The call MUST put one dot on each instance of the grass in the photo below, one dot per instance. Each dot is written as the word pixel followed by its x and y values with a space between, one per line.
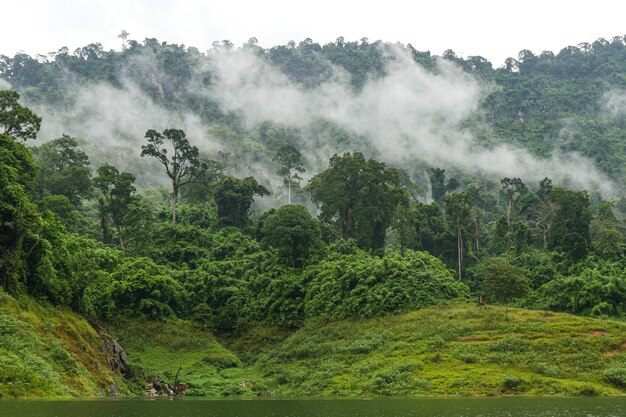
pixel 51 352
pixel 457 349
pixel 209 368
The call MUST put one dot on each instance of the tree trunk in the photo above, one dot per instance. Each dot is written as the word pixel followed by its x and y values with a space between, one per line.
pixel 103 224
pixel 508 213
pixel 348 231
pixel 119 233
pixel 289 192
pixel 174 201
pixel 476 243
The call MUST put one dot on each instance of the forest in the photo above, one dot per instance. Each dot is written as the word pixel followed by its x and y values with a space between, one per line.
pixel 217 212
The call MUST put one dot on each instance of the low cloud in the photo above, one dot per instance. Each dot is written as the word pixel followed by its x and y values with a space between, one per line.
pixel 408 114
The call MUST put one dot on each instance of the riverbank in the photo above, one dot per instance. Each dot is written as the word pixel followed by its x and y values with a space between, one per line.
pixel 452 350
pixel 457 349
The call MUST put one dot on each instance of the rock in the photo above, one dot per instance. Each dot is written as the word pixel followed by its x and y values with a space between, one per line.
pixel 160 387
pixel 118 360
pixel 113 390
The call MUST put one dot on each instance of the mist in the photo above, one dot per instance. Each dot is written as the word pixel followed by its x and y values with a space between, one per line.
pixel 614 102
pixel 408 114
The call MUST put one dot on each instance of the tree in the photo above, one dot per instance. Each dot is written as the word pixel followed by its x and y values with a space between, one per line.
pixel 234 197
pixel 359 195
pixel 64 169
pixel 513 189
pixel 430 228
pixel 458 210
pixel 123 36
pixel 15 120
pixel 184 166
pixel 404 225
pixel 292 231
pixel 501 280
pixel 438 184
pixel 290 161
pixel 606 232
pixel 116 196
pixel 202 191
pixel 569 231
pixel 18 216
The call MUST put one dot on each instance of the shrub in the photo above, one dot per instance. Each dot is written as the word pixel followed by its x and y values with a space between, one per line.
pixel 596 290
pixel 501 281
pixel 360 285
pixel 512 382
pixel 616 376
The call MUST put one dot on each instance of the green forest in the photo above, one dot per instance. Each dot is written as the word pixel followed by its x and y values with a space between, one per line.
pixel 285 250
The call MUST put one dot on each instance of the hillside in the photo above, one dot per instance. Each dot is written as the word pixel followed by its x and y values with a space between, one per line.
pixel 458 349
pixel 245 101
pixel 51 352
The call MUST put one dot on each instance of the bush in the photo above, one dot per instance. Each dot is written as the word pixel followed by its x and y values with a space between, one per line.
pixel 512 382
pixel 293 232
pixel 360 285
pixel 501 281
pixel 616 376
pixel 140 287
pixel 596 290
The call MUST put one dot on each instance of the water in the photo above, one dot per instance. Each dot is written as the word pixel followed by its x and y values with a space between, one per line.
pixel 463 407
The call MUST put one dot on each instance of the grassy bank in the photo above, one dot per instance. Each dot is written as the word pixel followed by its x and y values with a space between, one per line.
pixel 51 352
pixel 458 349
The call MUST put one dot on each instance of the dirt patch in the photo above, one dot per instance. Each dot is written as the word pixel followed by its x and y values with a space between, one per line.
pixel 472 339
pixel 622 346
pixel 609 354
pixel 597 332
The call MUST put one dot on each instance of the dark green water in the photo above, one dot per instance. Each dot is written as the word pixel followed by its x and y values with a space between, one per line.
pixel 472 407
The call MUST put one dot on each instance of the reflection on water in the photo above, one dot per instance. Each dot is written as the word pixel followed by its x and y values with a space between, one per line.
pixel 466 407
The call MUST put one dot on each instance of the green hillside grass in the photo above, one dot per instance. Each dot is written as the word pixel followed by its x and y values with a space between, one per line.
pixel 51 352
pixel 458 349
pixel 160 348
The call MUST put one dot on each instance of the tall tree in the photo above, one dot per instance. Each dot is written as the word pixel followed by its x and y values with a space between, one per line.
pixel 458 209
pixel 123 36
pixel 234 197
pixel 292 231
pixel 359 195
pixel 116 195
pixel 64 169
pixel 183 167
pixel 15 120
pixel 437 184
pixel 513 188
pixel 290 164
pixel 569 231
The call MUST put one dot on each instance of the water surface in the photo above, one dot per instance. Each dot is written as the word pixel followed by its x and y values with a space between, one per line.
pixel 427 407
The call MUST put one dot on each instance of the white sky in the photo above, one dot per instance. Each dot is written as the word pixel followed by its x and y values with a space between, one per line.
pixel 493 29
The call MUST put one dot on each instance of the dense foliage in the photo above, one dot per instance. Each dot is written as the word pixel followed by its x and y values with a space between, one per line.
pixel 90 238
